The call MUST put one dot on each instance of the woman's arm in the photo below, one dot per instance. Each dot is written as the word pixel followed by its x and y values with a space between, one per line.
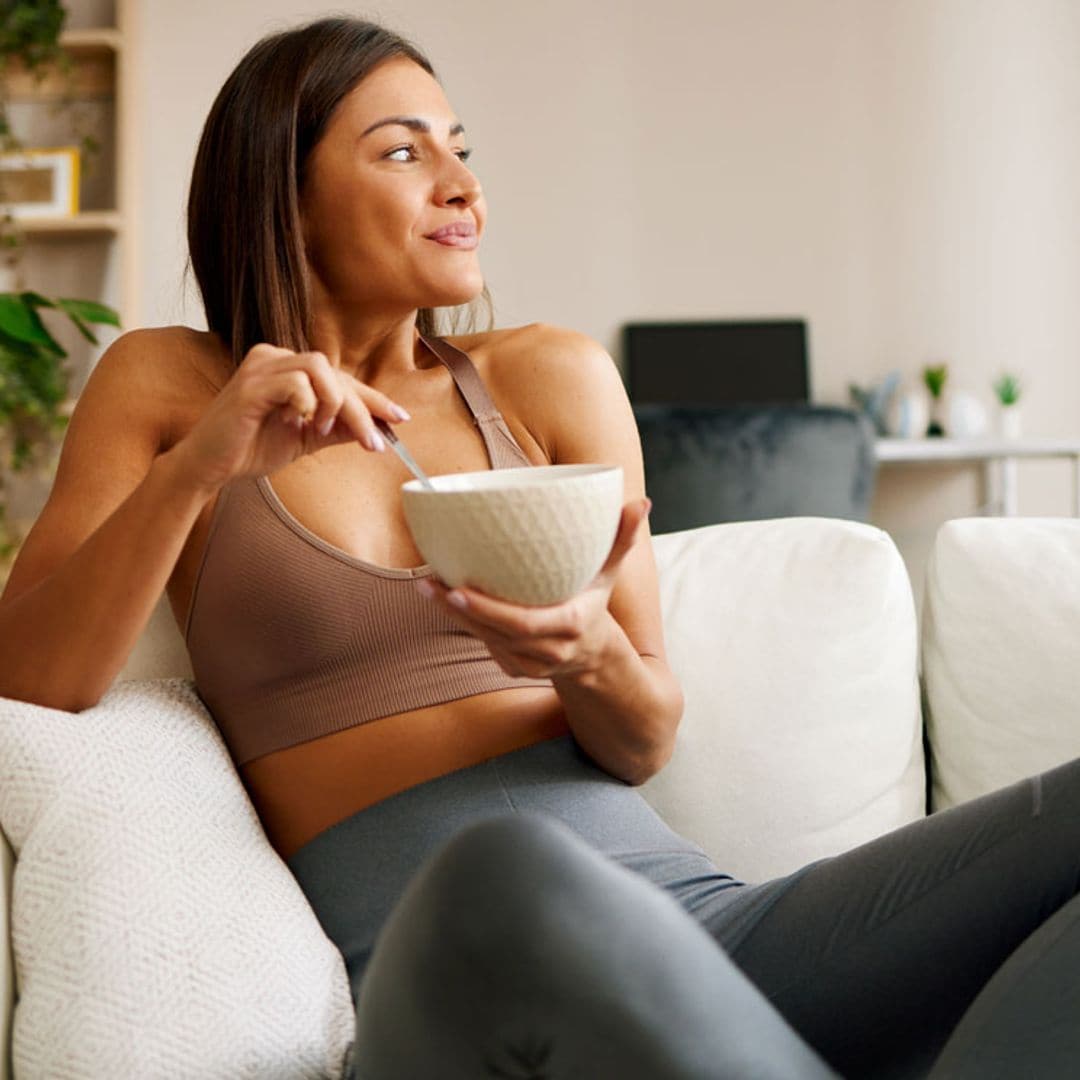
pixel 103 550
pixel 603 649
pixel 100 554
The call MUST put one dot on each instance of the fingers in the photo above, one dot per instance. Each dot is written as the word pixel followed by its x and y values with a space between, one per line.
pixel 298 397
pixel 535 641
pixel 331 404
pixel 513 621
pixel 633 514
pixel 360 403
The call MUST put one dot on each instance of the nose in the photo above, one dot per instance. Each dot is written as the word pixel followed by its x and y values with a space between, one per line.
pixel 458 185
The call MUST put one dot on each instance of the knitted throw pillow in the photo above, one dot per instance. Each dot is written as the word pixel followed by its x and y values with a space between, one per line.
pixel 156 932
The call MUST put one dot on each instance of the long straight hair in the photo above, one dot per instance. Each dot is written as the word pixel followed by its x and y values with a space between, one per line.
pixel 243 219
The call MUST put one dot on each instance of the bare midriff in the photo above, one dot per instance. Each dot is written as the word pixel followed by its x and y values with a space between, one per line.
pixel 302 790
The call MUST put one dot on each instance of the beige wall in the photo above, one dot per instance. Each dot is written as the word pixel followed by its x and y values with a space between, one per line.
pixel 900 172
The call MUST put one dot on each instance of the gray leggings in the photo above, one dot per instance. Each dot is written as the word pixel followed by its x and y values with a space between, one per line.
pixel 532 918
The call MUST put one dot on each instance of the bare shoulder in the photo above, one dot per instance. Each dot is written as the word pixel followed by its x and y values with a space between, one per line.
pixel 145 393
pixel 548 376
pixel 555 349
pixel 139 395
pixel 164 375
pixel 162 349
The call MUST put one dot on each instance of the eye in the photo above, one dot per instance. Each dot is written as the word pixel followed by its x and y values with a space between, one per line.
pixel 463 154
pixel 402 153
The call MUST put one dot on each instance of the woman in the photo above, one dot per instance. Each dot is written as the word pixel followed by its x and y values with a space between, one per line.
pixel 453 785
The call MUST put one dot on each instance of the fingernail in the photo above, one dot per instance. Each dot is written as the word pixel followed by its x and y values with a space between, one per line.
pixel 399 412
pixel 326 425
pixel 425 588
pixel 648 506
pixel 375 441
pixel 457 600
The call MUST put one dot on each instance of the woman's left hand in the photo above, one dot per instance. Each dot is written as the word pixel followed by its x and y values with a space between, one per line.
pixel 553 640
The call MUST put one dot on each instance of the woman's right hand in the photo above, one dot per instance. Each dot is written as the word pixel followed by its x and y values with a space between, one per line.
pixel 277 406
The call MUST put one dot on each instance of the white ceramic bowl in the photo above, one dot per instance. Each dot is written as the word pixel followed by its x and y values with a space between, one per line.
pixel 534 535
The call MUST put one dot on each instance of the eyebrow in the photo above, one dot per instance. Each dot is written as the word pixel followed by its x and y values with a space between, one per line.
pixel 414 123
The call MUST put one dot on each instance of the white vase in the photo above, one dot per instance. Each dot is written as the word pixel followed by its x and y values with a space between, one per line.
pixel 965 416
pixel 1010 422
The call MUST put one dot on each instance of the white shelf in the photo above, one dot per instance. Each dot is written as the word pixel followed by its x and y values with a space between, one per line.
pixel 931 450
pixel 89 222
pixel 998 458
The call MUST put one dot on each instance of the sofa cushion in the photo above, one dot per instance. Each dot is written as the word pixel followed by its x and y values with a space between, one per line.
pixel 155 931
pixel 1000 649
pixel 795 644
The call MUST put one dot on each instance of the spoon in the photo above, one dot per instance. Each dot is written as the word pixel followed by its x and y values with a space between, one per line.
pixel 402 452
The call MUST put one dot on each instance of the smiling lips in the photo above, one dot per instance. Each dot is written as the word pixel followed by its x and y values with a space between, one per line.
pixel 458 234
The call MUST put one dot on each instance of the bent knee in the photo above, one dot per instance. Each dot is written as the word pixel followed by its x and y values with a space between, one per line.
pixel 501 872
pixel 507 849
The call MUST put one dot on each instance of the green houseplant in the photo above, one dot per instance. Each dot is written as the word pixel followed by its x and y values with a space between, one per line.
pixel 34 378
pixel 1007 389
pixel 34 373
pixel 934 377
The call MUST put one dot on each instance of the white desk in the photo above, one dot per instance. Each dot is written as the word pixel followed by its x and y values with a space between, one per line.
pixel 997 456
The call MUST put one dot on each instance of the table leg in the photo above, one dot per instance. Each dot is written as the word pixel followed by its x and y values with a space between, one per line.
pixel 1009 494
pixel 993 483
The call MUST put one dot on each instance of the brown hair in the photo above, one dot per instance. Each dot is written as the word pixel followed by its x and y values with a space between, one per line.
pixel 244 232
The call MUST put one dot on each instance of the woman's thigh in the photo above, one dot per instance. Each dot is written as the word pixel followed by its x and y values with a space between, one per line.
pixel 874 955
pixel 518 950
pixel 354 872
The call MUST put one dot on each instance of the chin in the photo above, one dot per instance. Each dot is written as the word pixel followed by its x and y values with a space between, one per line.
pixel 453 295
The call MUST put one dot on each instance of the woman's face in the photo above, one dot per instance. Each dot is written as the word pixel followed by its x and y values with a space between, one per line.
pixel 392 216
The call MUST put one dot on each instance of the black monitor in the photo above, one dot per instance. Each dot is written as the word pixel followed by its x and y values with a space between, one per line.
pixel 717 363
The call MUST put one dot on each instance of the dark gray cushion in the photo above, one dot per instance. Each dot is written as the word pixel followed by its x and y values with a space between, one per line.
pixel 710 464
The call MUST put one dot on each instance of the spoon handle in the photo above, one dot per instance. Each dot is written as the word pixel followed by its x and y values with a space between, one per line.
pixel 402 452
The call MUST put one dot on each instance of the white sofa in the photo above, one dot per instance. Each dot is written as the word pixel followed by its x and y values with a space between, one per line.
pixel 796 643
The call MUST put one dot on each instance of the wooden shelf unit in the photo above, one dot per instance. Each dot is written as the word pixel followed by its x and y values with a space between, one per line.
pixel 101 73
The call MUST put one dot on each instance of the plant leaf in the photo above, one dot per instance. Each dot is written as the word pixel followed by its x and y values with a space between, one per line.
pixel 89 311
pixel 83 328
pixel 19 320
pixel 35 299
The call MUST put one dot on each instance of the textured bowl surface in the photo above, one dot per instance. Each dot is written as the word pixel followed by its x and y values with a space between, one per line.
pixel 534 535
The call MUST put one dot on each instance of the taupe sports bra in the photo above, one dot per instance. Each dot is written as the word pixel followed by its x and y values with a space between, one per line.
pixel 291 638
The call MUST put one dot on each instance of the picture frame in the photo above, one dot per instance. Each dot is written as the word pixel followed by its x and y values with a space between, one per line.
pixel 40 182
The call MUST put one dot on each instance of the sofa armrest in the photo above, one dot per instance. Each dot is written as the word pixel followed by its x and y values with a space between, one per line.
pixel 1001 637
pixel 795 643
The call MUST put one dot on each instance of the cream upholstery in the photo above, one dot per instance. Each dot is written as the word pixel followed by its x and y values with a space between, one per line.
pixel 794 641
pixel 796 645
pixel 1001 655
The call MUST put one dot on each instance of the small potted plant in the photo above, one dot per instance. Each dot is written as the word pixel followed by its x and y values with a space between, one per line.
pixel 34 404
pixel 1007 390
pixel 934 377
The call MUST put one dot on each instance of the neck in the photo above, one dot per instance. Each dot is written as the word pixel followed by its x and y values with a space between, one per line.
pixel 370 349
